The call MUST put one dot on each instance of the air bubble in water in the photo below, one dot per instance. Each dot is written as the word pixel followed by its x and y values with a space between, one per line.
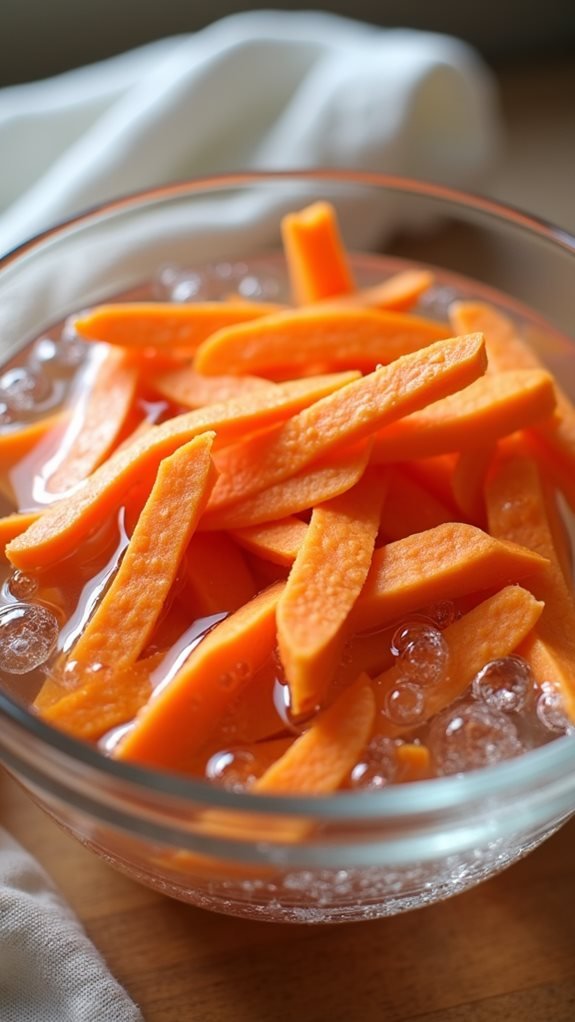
pixel 234 769
pixel 28 635
pixel 21 586
pixel 71 349
pixel 436 300
pixel 551 712
pixel 442 614
pixel 22 391
pixel 504 684
pixel 378 766
pixel 178 284
pixel 471 736
pixel 405 704
pixel 422 652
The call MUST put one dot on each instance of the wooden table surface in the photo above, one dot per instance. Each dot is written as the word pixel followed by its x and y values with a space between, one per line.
pixel 504 951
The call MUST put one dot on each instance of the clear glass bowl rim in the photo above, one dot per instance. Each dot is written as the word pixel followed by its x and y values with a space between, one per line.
pixel 534 768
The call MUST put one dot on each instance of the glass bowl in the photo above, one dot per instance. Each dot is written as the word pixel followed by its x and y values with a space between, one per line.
pixel 357 855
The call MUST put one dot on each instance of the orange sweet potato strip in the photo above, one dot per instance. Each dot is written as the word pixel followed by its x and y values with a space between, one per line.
pixel 517 509
pixel 436 475
pixel 217 576
pixel 121 626
pixel 398 292
pixel 493 629
pixel 326 578
pixel 554 437
pixel 164 325
pixel 66 523
pixel 317 262
pixel 491 407
pixel 413 763
pixel 320 760
pixel 19 444
pixel 468 481
pixel 14 525
pixel 277 541
pixel 189 389
pixel 180 718
pixel 105 702
pixel 322 481
pixel 332 336
pixel 409 507
pixel 97 423
pixel 444 563
pixel 342 419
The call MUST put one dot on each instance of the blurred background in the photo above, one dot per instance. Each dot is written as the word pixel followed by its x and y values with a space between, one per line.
pixel 530 46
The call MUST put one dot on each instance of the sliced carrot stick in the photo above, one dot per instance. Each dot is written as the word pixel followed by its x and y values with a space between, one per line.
pixel 325 479
pixel 326 578
pixel 489 408
pixel 491 630
pixel 320 759
pixel 444 563
pixel 277 541
pixel 517 508
pixel 342 419
pixel 398 292
pixel 409 507
pixel 180 718
pixel 161 325
pixel 468 481
pixel 317 262
pixel 14 525
pixel 189 389
pixel 217 576
pixel 110 699
pixel 97 423
pixel 124 620
pixel 337 337
pixel 555 437
pixel 66 523
pixel 15 444
pixel 436 475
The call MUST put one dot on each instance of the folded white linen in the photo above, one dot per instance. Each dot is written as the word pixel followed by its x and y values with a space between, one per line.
pixel 265 90
pixel 49 969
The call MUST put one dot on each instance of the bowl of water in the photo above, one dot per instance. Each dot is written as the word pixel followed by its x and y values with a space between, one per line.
pixel 375 847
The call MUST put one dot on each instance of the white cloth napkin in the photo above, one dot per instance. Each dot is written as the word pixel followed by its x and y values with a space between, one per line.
pixel 270 90
pixel 49 970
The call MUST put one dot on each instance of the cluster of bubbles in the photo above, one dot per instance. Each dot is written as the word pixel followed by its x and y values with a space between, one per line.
pixel 38 386
pixel 216 281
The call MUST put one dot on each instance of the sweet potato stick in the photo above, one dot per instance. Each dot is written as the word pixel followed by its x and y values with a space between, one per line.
pixel 277 541
pixel 217 576
pixel 125 618
pixel 493 629
pixel 319 760
pixel 444 563
pixel 317 262
pixel 180 718
pixel 363 407
pixel 326 578
pixel 189 389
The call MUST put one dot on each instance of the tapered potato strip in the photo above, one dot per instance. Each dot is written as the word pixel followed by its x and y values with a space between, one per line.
pixel 333 336
pixel 319 760
pixel 409 507
pixel 555 437
pixel 125 618
pixel 217 576
pixel 316 259
pixel 277 541
pixel 14 525
pixel 517 509
pixel 325 580
pixel 165 325
pixel 335 422
pixel 398 292
pixel 182 715
pixel 468 481
pixel 66 523
pixel 18 444
pixel 190 389
pixel 97 422
pixel 444 563
pixel 413 763
pixel 314 485
pixel 493 629
pixel 489 408
pixel 109 699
